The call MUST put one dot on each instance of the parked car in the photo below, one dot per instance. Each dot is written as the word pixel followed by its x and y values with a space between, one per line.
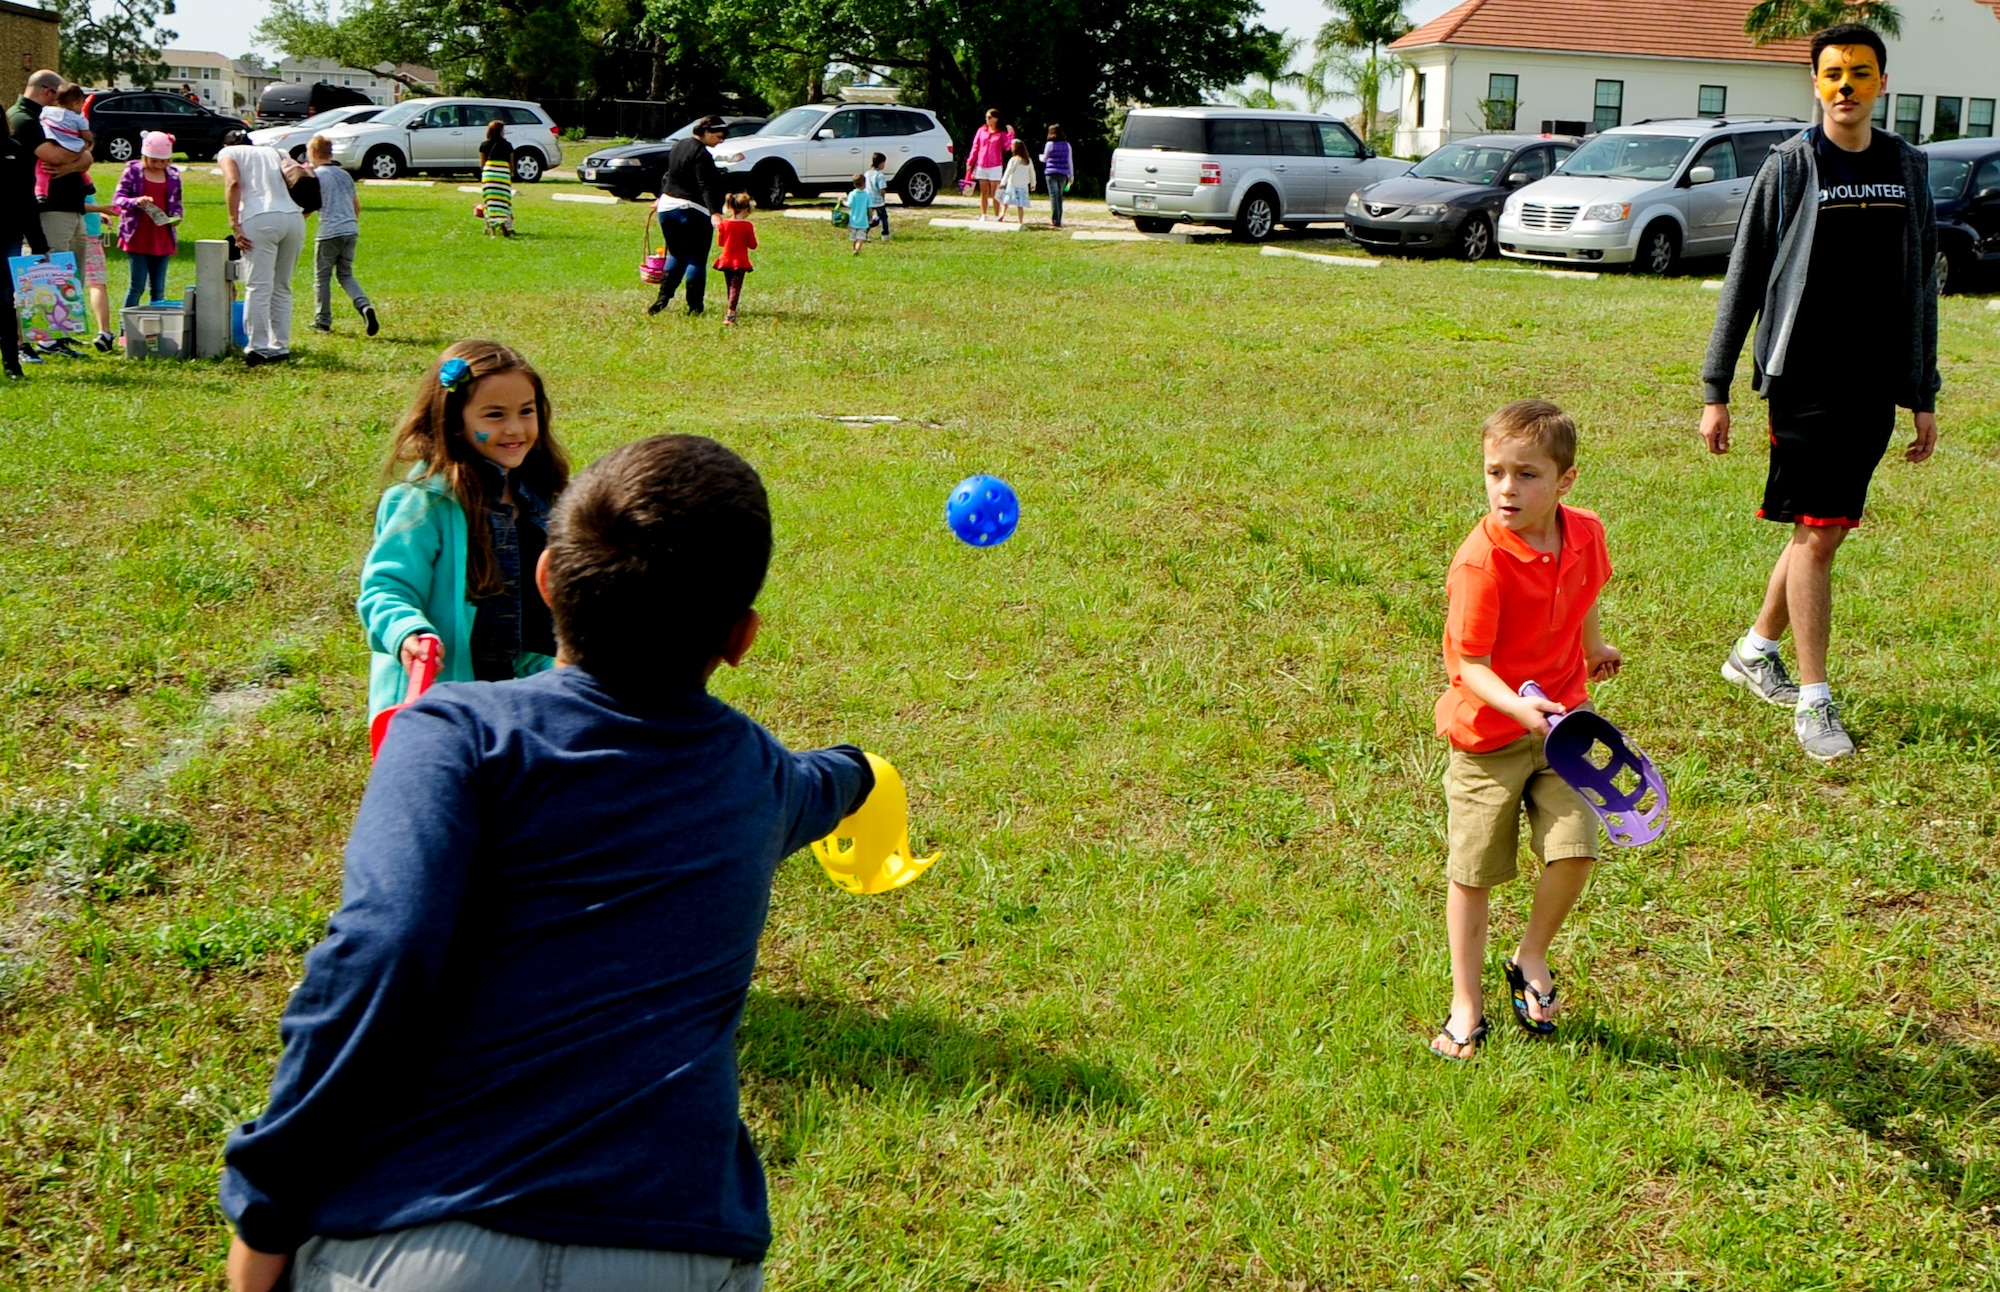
pixel 1965 185
pixel 119 117
pixel 1451 201
pixel 631 169
pixel 291 138
pixel 284 101
pixel 1248 170
pixel 443 135
pixel 819 147
pixel 1644 195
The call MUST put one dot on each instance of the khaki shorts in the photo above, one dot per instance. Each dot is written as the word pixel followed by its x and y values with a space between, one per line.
pixel 1484 795
pixel 64 230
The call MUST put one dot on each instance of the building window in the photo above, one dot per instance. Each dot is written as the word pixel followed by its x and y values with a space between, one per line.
pixel 1610 105
pixel 1503 96
pixel 1880 117
pixel 1944 117
pixel 1909 116
pixel 1712 101
pixel 1420 100
pixel 1979 119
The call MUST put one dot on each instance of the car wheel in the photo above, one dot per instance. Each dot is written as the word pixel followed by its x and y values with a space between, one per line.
pixel 1659 250
pixel 383 163
pixel 1257 218
pixel 1954 270
pixel 919 186
pixel 1151 224
pixel 528 166
pixel 768 184
pixel 1475 239
pixel 120 149
pixel 299 154
pixel 625 194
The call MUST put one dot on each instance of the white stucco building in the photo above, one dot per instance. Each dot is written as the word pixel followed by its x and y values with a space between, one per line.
pixel 1579 66
pixel 200 74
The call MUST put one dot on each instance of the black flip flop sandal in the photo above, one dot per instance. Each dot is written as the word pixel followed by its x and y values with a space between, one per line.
pixel 1473 1038
pixel 1517 982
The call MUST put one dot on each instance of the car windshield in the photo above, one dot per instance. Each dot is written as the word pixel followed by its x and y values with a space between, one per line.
pixel 1465 164
pixel 799 121
pixel 1653 157
pixel 1948 176
pixel 402 112
pixel 337 116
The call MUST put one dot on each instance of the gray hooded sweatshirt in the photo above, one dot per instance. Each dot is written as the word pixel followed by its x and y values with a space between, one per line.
pixel 1767 276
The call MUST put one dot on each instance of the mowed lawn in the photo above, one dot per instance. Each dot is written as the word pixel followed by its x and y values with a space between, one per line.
pixel 1158 1018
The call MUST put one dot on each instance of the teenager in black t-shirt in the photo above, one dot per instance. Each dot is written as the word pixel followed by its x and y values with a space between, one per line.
pixel 1835 262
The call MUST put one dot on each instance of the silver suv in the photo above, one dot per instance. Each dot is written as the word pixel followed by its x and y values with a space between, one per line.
pixel 1644 195
pixel 820 147
pixel 1246 169
pixel 443 135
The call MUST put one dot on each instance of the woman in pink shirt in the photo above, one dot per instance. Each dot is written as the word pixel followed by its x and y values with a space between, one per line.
pixel 986 157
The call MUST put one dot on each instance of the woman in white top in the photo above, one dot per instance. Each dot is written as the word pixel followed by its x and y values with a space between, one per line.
pixel 271 230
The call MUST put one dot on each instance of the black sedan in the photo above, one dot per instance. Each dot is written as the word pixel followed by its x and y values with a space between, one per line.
pixel 631 169
pixel 1965 184
pixel 1450 201
pixel 119 117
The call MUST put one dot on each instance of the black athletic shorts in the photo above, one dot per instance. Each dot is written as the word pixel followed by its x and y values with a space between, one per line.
pixel 1822 457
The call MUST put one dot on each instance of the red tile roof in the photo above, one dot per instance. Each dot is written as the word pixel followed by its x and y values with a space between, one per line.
pixel 1703 29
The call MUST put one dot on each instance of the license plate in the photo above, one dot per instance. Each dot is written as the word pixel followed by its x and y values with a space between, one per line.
pixel 587 174
pixel 1147 202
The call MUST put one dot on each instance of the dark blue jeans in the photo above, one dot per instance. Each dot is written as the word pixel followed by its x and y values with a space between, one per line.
pixel 1057 183
pixel 148 272
pixel 689 237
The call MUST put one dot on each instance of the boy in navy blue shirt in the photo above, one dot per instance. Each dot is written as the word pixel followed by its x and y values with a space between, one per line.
pixel 516 1048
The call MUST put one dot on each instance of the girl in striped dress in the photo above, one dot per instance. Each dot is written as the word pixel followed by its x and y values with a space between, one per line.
pixel 496 180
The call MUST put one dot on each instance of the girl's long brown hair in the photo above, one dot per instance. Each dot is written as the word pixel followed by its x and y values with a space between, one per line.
pixel 432 436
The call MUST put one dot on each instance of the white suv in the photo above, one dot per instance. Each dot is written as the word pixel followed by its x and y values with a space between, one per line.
pixel 444 135
pixel 820 147
pixel 1644 195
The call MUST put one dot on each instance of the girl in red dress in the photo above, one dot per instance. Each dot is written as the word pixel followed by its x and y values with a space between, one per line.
pixel 738 238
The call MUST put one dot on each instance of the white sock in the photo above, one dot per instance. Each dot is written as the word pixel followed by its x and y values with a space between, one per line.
pixel 1812 693
pixel 1762 645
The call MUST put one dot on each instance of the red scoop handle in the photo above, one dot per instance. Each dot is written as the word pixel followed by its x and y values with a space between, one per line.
pixel 423 671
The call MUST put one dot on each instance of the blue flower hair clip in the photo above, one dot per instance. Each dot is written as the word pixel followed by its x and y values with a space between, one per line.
pixel 453 374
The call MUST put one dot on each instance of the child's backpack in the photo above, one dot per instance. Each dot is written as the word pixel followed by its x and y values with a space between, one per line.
pixel 840 213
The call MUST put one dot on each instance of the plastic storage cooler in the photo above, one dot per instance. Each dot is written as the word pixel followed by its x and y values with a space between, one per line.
pixel 155 331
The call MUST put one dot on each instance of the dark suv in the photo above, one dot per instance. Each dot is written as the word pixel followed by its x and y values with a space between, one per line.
pixel 119 117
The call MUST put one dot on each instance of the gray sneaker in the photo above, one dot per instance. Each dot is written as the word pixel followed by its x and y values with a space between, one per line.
pixel 1820 733
pixel 1761 675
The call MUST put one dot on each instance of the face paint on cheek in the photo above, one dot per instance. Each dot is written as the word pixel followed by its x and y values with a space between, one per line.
pixel 482 436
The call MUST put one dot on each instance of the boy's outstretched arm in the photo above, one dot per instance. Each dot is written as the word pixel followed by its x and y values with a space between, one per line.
pixel 1476 671
pixel 1599 656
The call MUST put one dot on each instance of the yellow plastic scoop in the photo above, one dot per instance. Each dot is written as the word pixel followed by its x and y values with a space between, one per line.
pixel 869 852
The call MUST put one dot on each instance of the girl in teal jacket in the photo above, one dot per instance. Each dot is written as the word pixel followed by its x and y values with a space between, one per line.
pixel 458 536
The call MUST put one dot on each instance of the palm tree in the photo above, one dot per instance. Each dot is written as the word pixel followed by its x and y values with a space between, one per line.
pixel 1771 20
pixel 1266 95
pixel 1359 28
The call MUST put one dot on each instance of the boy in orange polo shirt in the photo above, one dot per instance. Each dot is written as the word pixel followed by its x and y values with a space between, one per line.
pixel 1523 588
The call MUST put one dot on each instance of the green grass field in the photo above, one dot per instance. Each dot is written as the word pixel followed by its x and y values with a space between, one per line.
pixel 1158 1018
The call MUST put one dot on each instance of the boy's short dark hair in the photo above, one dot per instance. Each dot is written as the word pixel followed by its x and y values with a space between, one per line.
pixel 878 159
pixel 1851 33
pixel 655 551
pixel 860 180
pixel 1539 423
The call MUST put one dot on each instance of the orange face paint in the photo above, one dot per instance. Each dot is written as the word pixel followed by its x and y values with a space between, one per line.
pixel 1848 81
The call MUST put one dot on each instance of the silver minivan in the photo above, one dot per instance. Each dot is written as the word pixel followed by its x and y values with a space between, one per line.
pixel 1249 170
pixel 1644 195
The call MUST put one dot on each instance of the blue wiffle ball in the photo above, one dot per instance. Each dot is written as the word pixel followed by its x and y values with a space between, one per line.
pixel 982 510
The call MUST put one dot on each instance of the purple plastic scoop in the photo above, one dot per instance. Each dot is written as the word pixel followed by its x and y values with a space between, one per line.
pixel 1618 781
